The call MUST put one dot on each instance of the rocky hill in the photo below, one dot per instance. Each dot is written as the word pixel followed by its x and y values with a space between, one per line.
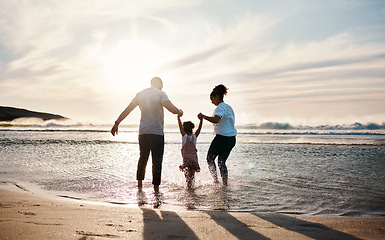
pixel 10 113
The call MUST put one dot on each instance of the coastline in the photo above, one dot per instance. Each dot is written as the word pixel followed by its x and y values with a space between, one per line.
pixel 27 215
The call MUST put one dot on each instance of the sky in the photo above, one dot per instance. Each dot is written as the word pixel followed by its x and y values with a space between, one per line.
pixel 289 61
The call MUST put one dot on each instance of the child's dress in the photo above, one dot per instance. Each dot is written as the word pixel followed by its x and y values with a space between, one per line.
pixel 189 154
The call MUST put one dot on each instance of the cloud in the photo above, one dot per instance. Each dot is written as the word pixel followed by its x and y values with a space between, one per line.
pixel 219 50
pixel 330 62
pixel 45 42
pixel 192 59
pixel 53 49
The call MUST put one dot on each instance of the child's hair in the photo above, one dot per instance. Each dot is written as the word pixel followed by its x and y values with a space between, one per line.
pixel 220 90
pixel 188 126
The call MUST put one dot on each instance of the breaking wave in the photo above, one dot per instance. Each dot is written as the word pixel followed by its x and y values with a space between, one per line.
pixel 288 126
pixel 264 128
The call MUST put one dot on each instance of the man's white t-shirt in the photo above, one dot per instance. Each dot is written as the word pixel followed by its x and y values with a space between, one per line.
pixel 225 126
pixel 152 116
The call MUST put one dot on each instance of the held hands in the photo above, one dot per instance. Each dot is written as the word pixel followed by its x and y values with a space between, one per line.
pixel 180 114
pixel 200 116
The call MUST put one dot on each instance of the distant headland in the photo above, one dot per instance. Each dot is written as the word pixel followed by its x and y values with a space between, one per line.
pixel 8 114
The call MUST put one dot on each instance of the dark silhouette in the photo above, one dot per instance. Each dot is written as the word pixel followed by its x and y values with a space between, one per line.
pixel 10 113
pixel 189 152
pixel 151 134
pixel 223 119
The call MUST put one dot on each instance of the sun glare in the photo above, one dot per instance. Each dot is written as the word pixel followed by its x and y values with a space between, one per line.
pixel 131 64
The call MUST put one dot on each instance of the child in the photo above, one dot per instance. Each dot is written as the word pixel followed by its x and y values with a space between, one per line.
pixel 189 152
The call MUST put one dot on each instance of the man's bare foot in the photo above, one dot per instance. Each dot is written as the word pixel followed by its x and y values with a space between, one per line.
pixel 141 197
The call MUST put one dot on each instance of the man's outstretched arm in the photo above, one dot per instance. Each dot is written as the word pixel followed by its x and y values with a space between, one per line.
pixel 171 107
pixel 122 116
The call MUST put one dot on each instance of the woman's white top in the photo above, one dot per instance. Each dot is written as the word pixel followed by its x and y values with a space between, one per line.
pixel 225 126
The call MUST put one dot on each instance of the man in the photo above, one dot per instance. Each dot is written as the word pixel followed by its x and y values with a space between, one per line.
pixel 151 135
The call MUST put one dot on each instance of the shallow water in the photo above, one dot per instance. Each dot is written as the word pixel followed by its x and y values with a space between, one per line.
pixel 338 172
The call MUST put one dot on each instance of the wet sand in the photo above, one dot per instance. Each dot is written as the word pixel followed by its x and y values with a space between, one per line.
pixel 26 215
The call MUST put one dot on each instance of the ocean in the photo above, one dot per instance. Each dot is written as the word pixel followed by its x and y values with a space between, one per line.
pixel 303 171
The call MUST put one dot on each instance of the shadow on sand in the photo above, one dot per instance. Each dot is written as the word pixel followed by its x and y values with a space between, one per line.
pixel 310 229
pixel 167 224
pixel 234 226
pixel 157 223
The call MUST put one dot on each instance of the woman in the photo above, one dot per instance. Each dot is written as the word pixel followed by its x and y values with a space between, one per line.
pixel 225 132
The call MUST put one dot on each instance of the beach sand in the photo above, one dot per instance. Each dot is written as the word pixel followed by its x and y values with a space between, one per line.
pixel 26 215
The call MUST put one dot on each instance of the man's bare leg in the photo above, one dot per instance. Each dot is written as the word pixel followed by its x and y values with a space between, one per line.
pixel 140 185
pixel 156 188
pixel 158 197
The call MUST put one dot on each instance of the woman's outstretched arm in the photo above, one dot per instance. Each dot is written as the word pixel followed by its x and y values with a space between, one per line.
pixel 214 119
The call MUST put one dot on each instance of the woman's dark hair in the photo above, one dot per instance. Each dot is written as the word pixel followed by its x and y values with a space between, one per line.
pixel 188 126
pixel 220 90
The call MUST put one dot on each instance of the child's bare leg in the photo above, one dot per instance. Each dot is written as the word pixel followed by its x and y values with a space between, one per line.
pixel 189 174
